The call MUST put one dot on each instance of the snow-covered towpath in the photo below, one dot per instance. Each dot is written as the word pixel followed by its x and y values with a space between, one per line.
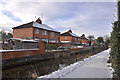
pixel 93 67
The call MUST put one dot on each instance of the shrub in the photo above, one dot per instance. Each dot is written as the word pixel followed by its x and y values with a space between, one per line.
pixel 51 47
pixel 75 44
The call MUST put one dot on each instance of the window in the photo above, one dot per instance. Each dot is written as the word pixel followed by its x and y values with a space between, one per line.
pixel 44 32
pixel 52 40
pixel 52 33
pixel 36 31
pixel 57 41
pixel 75 38
pixel 57 34
pixel 44 39
pixel 66 37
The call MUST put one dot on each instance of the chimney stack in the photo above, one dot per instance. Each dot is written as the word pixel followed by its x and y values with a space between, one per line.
pixel 70 31
pixel 83 35
pixel 39 21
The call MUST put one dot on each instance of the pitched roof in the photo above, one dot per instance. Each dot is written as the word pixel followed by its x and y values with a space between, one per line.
pixel 44 26
pixel 82 37
pixel 37 25
pixel 69 34
pixel 73 34
pixel 27 25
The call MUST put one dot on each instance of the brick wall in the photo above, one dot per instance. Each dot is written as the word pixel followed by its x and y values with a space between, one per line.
pixel 23 32
pixel 92 41
pixel 70 38
pixel 62 38
pixel 84 41
pixel 24 53
pixel 32 52
pixel 17 54
pixel 30 32
pixel 48 36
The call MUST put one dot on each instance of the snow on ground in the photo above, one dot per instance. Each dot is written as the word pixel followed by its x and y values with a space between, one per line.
pixel 17 50
pixel 93 67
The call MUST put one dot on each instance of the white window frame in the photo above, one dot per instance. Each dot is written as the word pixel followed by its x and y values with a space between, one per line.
pixel 44 32
pixel 52 40
pixel 57 34
pixel 75 38
pixel 66 37
pixel 52 33
pixel 44 39
pixel 36 31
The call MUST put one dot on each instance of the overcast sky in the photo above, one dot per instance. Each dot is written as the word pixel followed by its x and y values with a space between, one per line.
pixel 90 18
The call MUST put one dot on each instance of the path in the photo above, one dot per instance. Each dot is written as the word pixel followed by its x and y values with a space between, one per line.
pixel 93 67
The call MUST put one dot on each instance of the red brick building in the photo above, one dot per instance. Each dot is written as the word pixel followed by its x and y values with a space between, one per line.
pixel 84 40
pixel 69 38
pixel 37 30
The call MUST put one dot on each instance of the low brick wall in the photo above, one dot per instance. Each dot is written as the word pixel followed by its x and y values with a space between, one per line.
pixel 25 57
pixel 19 53
pixel 8 54
pixel 32 52
pixel 19 57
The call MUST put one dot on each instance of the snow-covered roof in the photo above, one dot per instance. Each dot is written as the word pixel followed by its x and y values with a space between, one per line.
pixel 73 34
pixel 43 26
pixel 24 40
pixel 18 50
pixel 65 41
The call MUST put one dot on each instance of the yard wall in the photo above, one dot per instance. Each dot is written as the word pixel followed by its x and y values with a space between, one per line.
pixel 14 57
pixel 25 57
pixel 23 52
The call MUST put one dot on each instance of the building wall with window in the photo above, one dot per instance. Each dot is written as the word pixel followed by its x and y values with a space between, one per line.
pixel 45 35
pixel 48 36
pixel 71 37
pixel 92 42
pixel 66 38
pixel 76 40
pixel 37 30
pixel 84 41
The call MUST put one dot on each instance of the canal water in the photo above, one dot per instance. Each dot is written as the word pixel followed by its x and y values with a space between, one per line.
pixel 45 67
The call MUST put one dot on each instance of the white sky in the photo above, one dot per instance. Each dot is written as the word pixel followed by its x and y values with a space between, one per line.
pixel 91 17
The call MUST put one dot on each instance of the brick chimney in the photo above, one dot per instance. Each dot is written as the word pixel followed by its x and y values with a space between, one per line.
pixel 83 35
pixel 70 31
pixel 39 21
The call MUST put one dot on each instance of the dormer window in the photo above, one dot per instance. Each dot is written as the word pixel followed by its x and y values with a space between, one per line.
pixel 36 31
